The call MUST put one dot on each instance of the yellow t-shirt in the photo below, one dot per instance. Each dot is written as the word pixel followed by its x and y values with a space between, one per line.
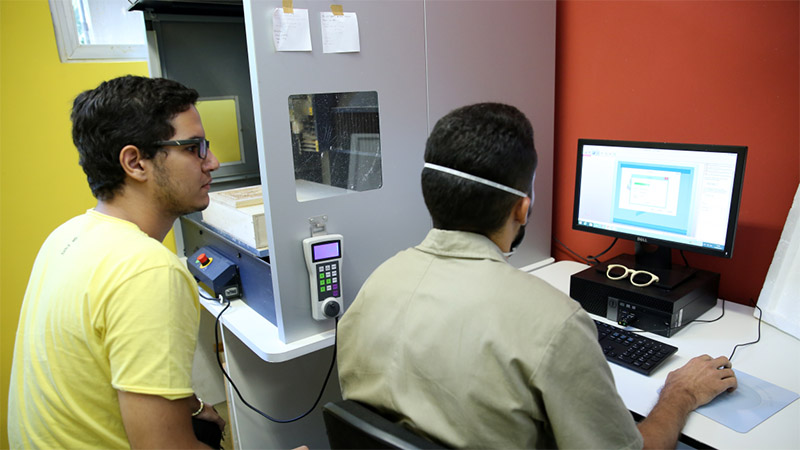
pixel 107 308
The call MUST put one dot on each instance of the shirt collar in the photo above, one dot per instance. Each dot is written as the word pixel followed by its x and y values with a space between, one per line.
pixel 460 244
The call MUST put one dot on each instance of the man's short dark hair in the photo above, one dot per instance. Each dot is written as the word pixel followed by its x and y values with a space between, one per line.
pixel 488 140
pixel 129 110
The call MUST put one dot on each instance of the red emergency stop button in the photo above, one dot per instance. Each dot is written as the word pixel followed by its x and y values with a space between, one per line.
pixel 203 260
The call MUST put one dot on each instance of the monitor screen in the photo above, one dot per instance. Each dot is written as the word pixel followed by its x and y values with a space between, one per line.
pixel 684 196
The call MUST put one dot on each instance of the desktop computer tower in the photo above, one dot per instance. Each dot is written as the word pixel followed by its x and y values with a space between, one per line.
pixel 653 308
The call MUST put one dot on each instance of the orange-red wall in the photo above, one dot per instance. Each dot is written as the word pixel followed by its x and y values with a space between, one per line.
pixel 711 72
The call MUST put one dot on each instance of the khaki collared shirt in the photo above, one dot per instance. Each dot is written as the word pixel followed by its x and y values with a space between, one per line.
pixel 476 353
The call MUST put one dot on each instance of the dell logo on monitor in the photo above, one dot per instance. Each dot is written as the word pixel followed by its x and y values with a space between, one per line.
pixel 640 239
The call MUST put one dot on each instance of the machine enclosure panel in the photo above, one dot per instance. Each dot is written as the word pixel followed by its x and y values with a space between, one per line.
pixel 421 67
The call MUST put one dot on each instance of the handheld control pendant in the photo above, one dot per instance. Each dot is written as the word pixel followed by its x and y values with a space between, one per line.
pixel 324 261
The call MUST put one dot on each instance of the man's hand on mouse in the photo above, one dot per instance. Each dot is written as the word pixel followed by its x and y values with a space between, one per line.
pixel 700 380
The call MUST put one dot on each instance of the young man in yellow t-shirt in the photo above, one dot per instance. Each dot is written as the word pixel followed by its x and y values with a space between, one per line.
pixel 108 327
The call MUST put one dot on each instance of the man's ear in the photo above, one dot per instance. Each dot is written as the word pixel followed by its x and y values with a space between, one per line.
pixel 521 210
pixel 131 160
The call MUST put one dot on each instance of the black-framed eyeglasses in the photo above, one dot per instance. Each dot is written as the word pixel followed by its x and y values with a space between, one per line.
pixel 202 145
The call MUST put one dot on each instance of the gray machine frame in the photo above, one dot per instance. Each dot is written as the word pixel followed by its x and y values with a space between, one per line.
pixel 423 58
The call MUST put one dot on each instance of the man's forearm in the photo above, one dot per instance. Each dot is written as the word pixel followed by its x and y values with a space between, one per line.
pixel 661 428
pixel 152 421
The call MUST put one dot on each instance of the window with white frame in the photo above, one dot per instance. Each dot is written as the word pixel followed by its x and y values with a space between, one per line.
pixel 98 30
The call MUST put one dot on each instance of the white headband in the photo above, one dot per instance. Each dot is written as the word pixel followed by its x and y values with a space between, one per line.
pixel 467 176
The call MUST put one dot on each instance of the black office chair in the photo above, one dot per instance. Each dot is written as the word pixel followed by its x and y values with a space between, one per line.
pixel 353 425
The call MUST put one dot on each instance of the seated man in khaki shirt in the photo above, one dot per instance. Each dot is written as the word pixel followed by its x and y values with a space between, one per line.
pixel 472 352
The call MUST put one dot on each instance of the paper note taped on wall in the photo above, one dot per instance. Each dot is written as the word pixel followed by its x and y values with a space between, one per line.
pixel 291 32
pixel 339 33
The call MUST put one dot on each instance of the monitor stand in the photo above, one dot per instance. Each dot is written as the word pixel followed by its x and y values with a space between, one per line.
pixel 657 261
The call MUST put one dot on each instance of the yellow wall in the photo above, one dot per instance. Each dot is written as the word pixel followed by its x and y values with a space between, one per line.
pixel 41 184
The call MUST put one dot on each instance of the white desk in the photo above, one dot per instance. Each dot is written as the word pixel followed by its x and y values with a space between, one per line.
pixel 261 336
pixel 776 358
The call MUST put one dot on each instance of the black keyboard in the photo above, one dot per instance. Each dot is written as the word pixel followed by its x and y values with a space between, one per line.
pixel 632 350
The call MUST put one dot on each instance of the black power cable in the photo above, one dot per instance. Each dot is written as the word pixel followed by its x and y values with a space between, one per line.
pixel 758 339
pixel 759 332
pixel 594 258
pixel 579 257
pixel 221 368
pixel 590 260
pixel 714 320
pixel 669 329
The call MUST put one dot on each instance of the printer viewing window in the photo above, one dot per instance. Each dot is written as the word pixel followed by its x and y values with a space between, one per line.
pixel 336 143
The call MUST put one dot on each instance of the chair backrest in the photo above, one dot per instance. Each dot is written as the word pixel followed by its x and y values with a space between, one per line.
pixel 353 425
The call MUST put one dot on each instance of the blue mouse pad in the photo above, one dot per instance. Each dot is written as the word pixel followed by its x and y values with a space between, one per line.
pixel 753 402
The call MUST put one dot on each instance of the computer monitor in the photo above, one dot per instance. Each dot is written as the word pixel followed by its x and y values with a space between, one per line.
pixel 683 196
